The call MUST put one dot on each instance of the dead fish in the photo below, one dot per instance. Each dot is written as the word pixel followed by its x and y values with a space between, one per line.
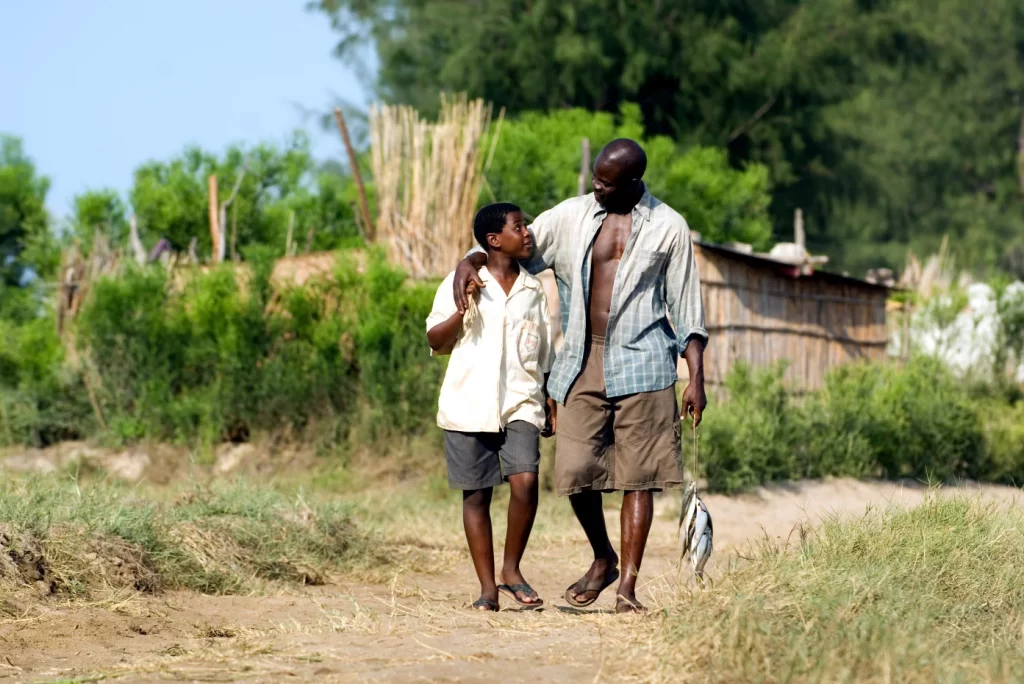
pixel 695 531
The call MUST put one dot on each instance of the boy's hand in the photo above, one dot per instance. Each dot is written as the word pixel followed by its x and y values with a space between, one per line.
pixel 550 418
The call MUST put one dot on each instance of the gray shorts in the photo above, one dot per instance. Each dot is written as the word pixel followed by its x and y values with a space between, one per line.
pixel 477 460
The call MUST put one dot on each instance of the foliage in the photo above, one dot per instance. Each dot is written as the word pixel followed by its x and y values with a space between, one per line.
pixel 217 360
pixel 24 222
pixel 915 421
pixel 925 594
pixel 171 198
pixel 889 123
pixel 537 164
pixel 100 211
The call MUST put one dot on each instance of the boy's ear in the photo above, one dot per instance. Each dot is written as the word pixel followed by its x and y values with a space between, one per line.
pixel 493 241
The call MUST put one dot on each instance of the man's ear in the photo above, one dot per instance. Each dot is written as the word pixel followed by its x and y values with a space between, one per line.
pixel 493 241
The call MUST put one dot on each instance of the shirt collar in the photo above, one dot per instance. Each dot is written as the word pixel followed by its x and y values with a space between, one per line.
pixel 522 280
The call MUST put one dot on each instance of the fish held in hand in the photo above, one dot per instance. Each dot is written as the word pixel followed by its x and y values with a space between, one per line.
pixel 695 531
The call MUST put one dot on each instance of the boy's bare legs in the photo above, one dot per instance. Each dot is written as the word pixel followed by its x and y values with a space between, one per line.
pixel 522 510
pixel 476 518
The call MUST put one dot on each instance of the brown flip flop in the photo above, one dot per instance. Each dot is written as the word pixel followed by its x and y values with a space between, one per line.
pixel 513 590
pixel 584 585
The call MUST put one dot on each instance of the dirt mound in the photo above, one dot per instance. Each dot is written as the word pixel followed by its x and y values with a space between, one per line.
pixel 22 560
pixel 68 560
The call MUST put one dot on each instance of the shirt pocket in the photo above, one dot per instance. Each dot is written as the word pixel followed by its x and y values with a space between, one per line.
pixel 649 266
pixel 528 345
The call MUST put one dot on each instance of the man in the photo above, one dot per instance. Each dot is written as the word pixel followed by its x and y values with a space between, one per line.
pixel 624 264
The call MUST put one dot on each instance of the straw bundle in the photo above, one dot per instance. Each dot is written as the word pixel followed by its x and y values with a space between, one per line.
pixel 428 177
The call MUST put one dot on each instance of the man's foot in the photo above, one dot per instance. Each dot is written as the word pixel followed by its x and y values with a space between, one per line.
pixel 627 606
pixel 518 588
pixel 602 573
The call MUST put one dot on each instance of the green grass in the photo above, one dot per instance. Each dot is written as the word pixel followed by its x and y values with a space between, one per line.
pixel 933 593
pixel 76 539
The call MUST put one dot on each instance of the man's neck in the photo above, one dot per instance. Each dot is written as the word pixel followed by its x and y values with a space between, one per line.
pixel 628 202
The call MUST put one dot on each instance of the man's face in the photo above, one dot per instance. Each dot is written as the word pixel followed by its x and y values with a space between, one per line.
pixel 608 182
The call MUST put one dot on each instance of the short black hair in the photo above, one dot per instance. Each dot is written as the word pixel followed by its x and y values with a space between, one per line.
pixel 490 220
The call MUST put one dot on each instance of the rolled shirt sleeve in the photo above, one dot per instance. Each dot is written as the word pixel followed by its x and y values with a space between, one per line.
pixel 683 296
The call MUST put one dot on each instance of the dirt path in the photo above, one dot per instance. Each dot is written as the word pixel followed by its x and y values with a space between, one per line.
pixel 416 628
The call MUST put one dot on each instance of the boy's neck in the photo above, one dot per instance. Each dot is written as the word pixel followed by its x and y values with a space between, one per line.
pixel 504 269
pixel 501 264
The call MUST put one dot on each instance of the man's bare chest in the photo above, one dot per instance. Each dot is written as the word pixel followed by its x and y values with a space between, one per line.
pixel 612 238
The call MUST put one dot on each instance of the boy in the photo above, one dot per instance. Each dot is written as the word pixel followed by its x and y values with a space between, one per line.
pixel 493 404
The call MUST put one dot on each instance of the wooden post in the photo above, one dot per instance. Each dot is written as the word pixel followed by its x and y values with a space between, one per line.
pixel 581 187
pixel 214 216
pixel 135 242
pixel 234 232
pixel 363 204
pixel 798 227
pixel 309 239
pixel 288 245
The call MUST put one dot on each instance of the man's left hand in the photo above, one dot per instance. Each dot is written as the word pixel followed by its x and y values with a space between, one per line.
pixel 550 418
pixel 694 401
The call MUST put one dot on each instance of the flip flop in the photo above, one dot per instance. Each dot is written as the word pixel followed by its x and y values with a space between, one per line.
pixel 624 606
pixel 583 585
pixel 513 591
pixel 485 604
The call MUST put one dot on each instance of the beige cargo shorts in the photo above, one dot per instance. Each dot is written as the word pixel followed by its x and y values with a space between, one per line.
pixel 624 443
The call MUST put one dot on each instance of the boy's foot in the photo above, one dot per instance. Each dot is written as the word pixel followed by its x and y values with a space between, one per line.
pixel 601 575
pixel 485 604
pixel 515 586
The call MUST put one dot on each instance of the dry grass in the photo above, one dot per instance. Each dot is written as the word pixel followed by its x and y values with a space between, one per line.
pixel 428 178
pixel 63 538
pixel 933 593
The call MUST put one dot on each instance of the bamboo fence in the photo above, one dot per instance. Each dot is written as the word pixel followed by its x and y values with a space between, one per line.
pixel 428 178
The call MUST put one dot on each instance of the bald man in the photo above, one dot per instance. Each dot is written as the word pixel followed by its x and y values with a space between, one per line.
pixel 625 267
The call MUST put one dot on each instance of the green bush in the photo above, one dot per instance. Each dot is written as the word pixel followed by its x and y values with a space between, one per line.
pixel 914 421
pixel 41 399
pixel 216 361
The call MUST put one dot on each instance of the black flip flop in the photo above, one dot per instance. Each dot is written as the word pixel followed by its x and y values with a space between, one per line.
pixel 485 604
pixel 584 585
pixel 512 591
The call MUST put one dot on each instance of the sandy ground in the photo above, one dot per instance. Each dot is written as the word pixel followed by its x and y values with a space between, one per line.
pixel 417 628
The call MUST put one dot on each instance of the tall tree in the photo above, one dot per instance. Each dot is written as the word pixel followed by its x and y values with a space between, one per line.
pixel 889 122
pixel 24 221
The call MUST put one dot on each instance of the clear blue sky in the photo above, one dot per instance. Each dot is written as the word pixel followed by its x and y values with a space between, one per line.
pixel 96 88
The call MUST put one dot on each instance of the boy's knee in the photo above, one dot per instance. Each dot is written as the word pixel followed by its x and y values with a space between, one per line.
pixel 523 484
pixel 476 498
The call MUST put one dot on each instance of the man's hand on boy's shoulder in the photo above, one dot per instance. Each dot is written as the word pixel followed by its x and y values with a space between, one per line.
pixel 466 275
pixel 550 418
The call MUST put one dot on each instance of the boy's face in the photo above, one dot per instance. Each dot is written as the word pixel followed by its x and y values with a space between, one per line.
pixel 514 239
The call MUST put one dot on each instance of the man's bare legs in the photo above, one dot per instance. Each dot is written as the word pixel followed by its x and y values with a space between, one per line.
pixel 635 520
pixel 590 512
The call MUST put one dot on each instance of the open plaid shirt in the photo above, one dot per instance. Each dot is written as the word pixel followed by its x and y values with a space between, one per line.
pixel 656 280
